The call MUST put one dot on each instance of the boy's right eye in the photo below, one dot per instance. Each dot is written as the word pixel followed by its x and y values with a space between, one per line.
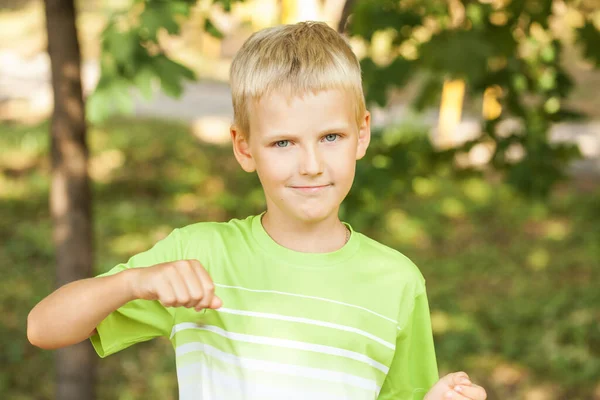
pixel 281 143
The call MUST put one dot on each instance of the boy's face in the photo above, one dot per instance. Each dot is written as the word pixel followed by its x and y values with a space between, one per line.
pixel 304 150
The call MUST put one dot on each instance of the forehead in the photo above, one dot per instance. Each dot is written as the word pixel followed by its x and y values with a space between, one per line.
pixel 301 112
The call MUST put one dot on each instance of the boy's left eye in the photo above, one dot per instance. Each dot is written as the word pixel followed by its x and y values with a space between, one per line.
pixel 331 137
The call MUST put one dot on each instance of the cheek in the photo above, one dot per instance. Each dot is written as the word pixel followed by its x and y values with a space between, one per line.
pixel 345 167
pixel 348 177
pixel 272 171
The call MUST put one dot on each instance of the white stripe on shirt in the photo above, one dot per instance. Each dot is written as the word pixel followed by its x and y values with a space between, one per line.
pixel 307 297
pixel 306 321
pixel 199 381
pixel 290 344
pixel 279 368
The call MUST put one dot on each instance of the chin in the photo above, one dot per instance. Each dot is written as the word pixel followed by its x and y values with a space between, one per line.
pixel 315 215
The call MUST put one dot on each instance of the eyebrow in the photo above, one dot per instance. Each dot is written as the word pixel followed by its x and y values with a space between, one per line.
pixel 288 136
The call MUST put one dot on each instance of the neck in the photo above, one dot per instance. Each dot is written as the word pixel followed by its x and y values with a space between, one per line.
pixel 323 236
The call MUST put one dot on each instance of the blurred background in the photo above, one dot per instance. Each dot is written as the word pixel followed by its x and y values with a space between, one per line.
pixel 484 169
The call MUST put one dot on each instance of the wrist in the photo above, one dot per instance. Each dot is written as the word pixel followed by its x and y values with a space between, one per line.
pixel 129 279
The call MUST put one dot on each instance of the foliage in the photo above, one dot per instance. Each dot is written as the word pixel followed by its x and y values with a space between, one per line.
pixel 512 282
pixel 508 46
pixel 505 46
pixel 132 55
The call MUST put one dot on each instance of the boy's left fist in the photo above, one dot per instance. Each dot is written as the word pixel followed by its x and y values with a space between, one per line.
pixel 456 386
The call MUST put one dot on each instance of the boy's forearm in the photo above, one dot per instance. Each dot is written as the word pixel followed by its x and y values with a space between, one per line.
pixel 71 313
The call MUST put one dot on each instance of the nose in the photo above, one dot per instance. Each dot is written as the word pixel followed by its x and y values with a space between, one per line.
pixel 311 162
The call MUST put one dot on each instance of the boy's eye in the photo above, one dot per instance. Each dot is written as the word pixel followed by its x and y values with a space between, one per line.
pixel 331 137
pixel 282 143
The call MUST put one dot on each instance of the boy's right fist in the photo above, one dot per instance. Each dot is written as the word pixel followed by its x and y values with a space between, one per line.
pixel 182 283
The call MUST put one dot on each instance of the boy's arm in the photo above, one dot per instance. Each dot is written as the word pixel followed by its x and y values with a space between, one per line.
pixel 413 374
pixel 414 368
pixel 72 312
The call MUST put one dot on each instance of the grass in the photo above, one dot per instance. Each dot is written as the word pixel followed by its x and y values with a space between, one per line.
pixel 512 283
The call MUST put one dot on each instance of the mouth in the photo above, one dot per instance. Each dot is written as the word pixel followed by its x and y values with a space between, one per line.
pixel 310 189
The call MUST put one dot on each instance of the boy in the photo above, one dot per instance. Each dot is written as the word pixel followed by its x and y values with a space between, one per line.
pixel 289 304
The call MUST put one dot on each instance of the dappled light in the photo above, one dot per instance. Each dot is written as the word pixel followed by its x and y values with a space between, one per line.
pixel 452 208
pixel 424 187
pixel 213 130
pixel 538 258
pixel 553 229
pixel 478 191
pixel 102 165
pixel 406 230
pixel 130 243
pixel 19 161
pixel 455 230
pixel 483 169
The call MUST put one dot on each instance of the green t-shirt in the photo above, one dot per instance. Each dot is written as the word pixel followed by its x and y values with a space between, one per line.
pixel 350 324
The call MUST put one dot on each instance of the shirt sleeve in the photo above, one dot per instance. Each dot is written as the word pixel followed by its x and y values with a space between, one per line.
pixel 138 320
pixel 414 367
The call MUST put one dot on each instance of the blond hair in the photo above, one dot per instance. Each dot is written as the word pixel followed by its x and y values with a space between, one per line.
pixel 296 59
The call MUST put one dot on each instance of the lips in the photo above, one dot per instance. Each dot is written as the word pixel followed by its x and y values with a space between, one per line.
pixel 310 189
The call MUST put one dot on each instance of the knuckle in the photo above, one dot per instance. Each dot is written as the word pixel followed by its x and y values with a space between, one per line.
pixel 180 264
pixel 197 296
pixel 197 265
pixel 203 299
pixel 168 301
pixel 202 305
pixel 170 269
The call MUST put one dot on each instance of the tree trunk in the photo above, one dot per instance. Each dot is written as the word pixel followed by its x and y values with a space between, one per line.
pixel 346 11
pixel 70 197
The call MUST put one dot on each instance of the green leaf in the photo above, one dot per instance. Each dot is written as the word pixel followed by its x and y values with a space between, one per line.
pixel 111 96
pixel 211 29
pixel 171 74
pixel 565 114
pixel 589 37
pixel 121 97
pixel 143 81
pixel 156 17
pixel 226 4
pixel 372 16
pixel 97 106
pixel 459 54
pixel 475 13
pixel 375 89
pixel 547 79
pixel 121 45
pixel 539 11
pixel 181 7
pixel 429 94
pixel 502 38
pixel 377 80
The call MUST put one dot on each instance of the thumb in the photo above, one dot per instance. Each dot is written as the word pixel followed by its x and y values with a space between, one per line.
pixel 216 303
pixel 457 378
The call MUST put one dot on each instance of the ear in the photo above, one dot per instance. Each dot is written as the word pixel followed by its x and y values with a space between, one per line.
pixel 241 149
pixel 364 136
